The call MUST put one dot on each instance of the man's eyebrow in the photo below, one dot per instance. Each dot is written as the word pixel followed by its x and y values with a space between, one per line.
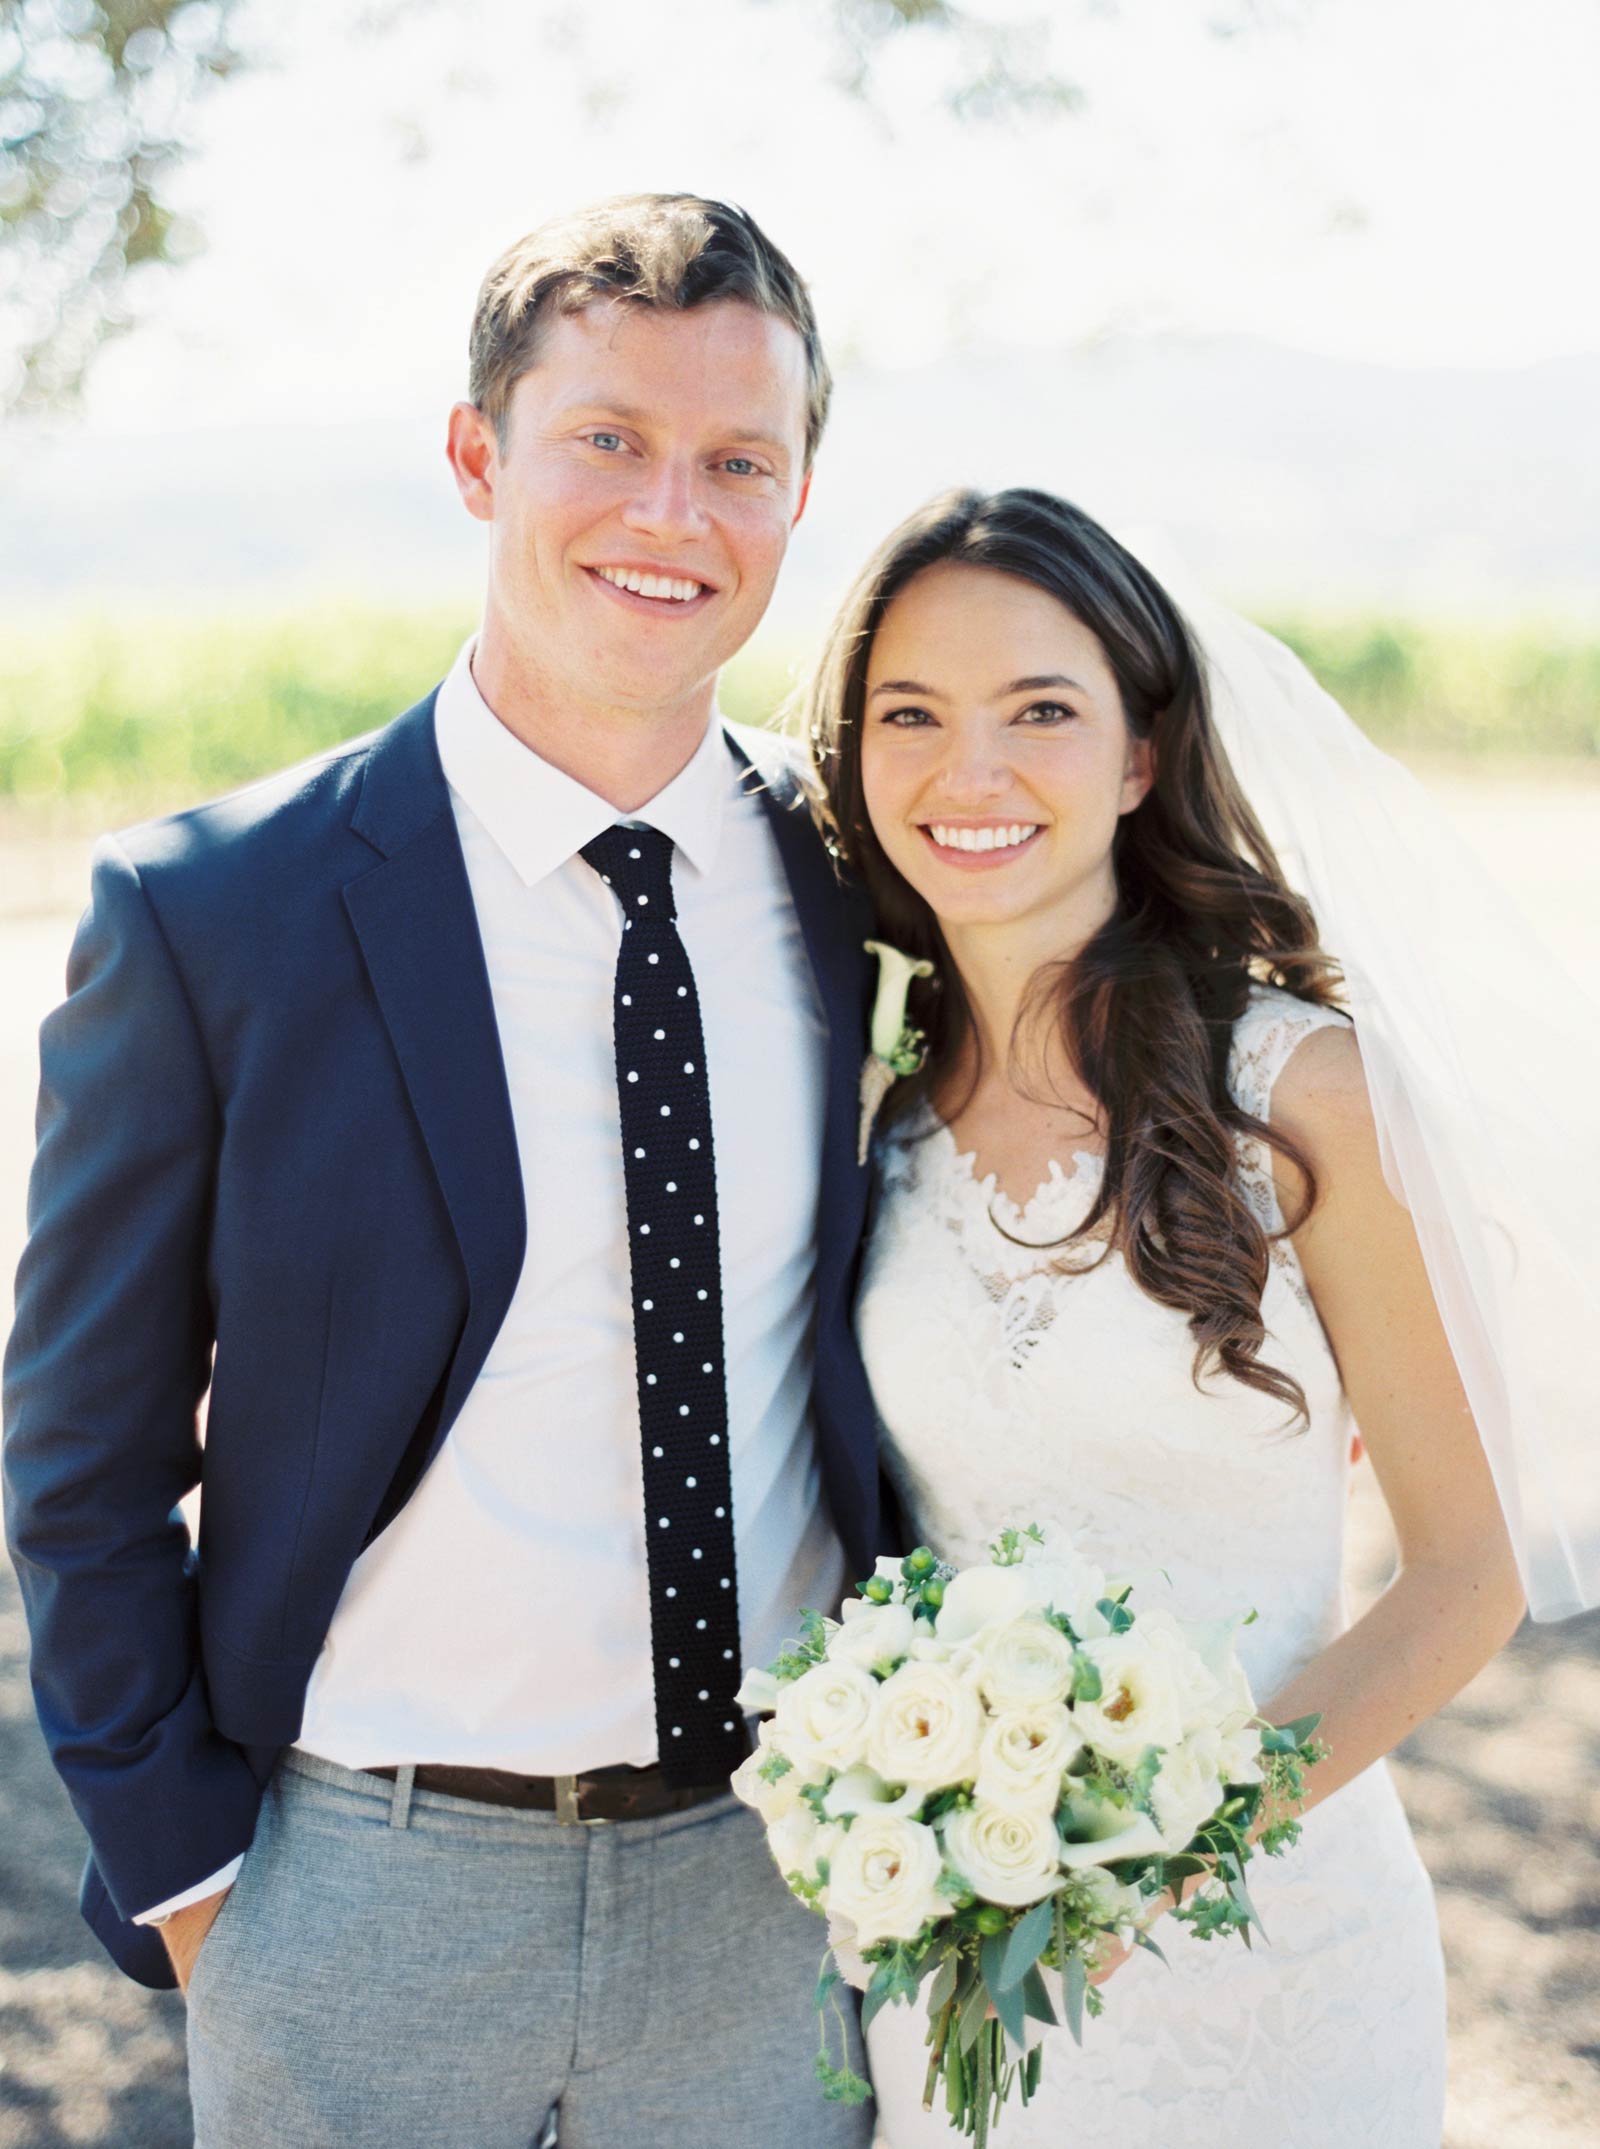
pixel 631 414
pixel 1017 686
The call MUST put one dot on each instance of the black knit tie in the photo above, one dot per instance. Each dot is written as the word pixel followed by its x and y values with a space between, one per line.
pixel 677 1315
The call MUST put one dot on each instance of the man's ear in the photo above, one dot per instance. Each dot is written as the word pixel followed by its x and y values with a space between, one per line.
pixel 472 453
pixel 1138 774
pixel 805 495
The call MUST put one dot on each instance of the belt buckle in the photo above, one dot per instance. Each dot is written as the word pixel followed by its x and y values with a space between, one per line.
pixel 567 1812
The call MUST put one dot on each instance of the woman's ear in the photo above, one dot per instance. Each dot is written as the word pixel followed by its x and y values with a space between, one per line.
pixel 1138 774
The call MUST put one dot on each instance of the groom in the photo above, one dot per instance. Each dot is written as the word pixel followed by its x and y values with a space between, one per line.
pixel 471 1112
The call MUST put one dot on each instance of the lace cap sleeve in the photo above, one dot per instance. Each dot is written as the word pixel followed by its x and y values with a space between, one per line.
pixel 1264 1037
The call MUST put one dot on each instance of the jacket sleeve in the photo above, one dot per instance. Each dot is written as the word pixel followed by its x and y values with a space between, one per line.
pixel 108 1360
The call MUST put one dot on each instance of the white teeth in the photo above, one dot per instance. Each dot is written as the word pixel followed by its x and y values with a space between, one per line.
pixel 658 586
pixel 981 839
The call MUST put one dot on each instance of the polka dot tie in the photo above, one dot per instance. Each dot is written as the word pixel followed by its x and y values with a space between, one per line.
pixel 677 1315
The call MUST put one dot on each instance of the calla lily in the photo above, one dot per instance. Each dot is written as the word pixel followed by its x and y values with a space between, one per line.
pixel 893 1041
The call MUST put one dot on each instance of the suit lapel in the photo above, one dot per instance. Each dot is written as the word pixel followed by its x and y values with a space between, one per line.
pixel 414 918
pixel 834 923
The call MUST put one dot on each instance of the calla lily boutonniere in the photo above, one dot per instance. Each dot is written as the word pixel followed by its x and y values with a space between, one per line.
pixel 897 1048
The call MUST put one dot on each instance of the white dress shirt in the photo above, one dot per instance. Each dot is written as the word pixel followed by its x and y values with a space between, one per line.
pixel 502 1620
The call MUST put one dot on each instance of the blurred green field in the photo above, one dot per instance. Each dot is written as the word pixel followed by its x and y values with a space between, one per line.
pixel 109 718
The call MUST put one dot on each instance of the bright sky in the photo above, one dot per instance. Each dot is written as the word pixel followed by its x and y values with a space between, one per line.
pixel 1407 181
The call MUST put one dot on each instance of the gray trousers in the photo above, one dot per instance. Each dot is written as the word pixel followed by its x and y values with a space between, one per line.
pixel 400 1970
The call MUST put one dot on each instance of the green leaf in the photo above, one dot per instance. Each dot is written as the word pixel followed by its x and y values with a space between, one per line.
pixel 974 2011
pixel 841 2085
pixel 825 1984
pixel 1035 1998
pixel 1008 2006
pixel 943 1987
pixel 1028 1939
pixel 1074 1984
pixel 1143 1940
pixel 1086 1681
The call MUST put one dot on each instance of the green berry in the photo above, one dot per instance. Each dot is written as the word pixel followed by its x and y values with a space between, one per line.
pixel 879 1590
pixel 919 1564
pixel 933 1594
pixel 991 1919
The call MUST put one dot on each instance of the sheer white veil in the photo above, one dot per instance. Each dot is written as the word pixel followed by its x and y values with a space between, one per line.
pixel 1482 1056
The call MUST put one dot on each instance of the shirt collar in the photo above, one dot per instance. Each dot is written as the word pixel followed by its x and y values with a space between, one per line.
pixel 539 816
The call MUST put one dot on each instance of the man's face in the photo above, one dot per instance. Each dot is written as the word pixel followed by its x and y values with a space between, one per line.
pixel 652 469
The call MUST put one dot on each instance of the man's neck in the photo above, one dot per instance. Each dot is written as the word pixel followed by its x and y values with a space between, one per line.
pixel 624 755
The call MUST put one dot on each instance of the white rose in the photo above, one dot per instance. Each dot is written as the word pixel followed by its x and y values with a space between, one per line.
pixel 1189 1789
pixel 862 1789
pixel 1193 1679
pixel 1094 1831
pixel 1003 1854
pixel 875 1636
pixel 772 1800
pixel 1239 1758
pixel 1023 1756
pixel 884 1877
pixel 926 1725
pixel 1139 1704
pixel 822 1717
pixel 981 1597
pixel 799 1842
pixel 758 1690
pixel 1025 1664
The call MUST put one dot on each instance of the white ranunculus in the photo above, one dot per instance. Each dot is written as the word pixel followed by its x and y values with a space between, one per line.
pixel 876 1636
pixel 927 1722
pixel 771 1800
pixel 1003 1854
pixel 884 1877
pixel 1096 1832
pixel 863 1790
pixel 758 1690
pixel 1024 1755
pixel 1139 1704
pixel 822 1717
pixel 1189 1788
pixel 1025 1663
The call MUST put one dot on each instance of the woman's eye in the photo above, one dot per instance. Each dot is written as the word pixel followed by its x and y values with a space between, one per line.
pixel 1045 713
pixel 907 719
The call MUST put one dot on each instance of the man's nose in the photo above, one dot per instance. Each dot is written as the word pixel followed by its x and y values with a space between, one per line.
pixel 666 503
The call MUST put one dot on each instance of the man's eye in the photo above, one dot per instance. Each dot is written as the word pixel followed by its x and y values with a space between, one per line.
pixel 742 466
pixel 608 441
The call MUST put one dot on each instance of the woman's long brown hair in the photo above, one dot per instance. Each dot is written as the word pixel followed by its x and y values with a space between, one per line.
pixel 1146 1010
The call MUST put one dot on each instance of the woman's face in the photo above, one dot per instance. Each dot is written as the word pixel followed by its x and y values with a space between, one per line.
pixel 995 757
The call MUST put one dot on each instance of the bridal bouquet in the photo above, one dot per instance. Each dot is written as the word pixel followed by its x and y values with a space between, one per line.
pixel 976 1777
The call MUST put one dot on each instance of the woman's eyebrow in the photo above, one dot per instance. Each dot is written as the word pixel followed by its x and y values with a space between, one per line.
pixel 1017 686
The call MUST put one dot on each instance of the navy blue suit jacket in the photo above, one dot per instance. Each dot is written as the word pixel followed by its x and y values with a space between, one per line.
pixel 276 1159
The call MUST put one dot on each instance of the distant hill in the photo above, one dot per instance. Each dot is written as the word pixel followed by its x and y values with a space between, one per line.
pixel 1287 480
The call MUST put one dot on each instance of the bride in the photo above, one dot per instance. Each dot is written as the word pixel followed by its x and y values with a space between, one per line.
pixel 1136 1272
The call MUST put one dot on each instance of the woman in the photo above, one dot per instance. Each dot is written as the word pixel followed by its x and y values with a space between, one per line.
pixel 1135 1267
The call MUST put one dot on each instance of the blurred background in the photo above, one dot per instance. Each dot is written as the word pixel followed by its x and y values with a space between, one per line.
pixel 1297 284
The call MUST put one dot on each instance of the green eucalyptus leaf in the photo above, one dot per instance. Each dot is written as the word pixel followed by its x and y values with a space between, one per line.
pixel 1008 2005
pixel 1074 1985
pixel 1027 1941
pixel 1035 1997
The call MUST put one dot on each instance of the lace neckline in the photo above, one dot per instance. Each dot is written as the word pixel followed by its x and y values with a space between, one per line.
pixel 985 1192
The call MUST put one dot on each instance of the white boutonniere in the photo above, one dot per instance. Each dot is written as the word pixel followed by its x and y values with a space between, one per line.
pixel 897 1048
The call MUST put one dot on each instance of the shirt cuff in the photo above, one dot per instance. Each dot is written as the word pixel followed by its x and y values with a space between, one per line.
pixel 197 1894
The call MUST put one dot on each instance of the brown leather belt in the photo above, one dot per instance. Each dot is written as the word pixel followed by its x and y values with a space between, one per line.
pixel 605 1794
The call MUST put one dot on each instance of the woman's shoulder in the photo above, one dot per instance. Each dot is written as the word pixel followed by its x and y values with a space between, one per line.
pixel 1285 1050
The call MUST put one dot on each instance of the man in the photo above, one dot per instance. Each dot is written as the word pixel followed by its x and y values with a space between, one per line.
pixel 472 1110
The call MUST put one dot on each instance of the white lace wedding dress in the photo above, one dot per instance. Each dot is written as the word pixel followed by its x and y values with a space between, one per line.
pixel 1010 1393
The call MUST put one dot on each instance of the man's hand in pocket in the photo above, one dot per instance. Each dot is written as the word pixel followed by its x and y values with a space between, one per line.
pixel 185 1932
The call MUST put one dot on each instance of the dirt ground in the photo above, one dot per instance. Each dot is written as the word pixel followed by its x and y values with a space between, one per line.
pixel 1503 1787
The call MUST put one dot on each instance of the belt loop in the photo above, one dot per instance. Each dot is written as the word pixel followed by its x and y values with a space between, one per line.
pixel 400 1804
pixel 567 1810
